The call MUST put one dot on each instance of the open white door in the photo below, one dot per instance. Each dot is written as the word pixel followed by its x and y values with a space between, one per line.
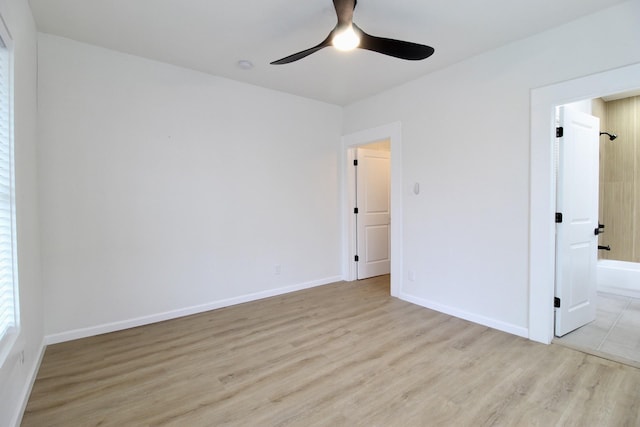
pixel 576 237
pixel 373 190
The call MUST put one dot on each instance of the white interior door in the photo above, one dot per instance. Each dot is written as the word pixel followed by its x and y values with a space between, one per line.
pixel 373 220
pixel 576 240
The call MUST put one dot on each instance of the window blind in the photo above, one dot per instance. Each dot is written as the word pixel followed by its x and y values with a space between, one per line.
pixel 8 291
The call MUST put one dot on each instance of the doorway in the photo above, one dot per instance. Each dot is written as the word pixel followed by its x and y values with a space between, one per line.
pixel 372 208
pixel 542 191
pixel 393 133
pixel 611 328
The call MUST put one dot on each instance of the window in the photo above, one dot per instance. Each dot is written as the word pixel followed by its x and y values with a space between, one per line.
pixel 8 274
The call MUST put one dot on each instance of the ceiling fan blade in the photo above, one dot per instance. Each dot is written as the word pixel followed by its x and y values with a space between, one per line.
pixel 397 48
pixel 302 54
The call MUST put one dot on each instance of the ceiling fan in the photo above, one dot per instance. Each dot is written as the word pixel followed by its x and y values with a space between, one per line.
pixel 346 36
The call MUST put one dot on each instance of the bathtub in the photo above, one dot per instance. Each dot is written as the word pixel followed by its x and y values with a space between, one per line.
pixel 619 277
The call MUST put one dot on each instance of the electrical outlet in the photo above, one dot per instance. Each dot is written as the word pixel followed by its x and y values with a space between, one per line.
pixel 277 269
pixel 22 357
pixel 412 276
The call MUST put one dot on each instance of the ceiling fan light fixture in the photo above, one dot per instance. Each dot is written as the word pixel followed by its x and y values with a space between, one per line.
pixel 346 39
pixel 347 36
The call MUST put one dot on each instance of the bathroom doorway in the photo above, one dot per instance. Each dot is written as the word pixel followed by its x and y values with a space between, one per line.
pixel 614 332
pixel 542 207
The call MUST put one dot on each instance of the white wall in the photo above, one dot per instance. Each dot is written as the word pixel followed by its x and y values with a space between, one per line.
pixel 466 141
pixel 16 376
pixel 166 191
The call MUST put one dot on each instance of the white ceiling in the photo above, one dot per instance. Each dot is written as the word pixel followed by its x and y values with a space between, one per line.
pixel 213 35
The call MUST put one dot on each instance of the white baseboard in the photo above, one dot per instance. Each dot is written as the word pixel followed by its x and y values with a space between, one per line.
pixel 481 320
pixel 187 311
pixel 26 391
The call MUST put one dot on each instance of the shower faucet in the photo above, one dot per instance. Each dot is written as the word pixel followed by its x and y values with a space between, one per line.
pixel 612 136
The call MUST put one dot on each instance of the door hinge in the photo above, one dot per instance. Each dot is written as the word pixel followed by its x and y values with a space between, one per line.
pixel 355 211
pixel 559 132
pixel 355 162
pixel 558 217
pixel 556 302
pixel 356 258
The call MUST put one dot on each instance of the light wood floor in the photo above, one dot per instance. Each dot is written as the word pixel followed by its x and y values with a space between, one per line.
pixel 345 354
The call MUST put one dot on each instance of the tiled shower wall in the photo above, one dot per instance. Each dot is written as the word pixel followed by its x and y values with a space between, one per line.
pixel 620 178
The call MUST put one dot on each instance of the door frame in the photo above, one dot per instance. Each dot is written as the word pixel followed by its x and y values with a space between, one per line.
pixel 542 251
pixel 392 132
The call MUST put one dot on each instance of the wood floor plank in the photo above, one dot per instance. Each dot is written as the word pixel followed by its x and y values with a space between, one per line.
pixel 345 354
